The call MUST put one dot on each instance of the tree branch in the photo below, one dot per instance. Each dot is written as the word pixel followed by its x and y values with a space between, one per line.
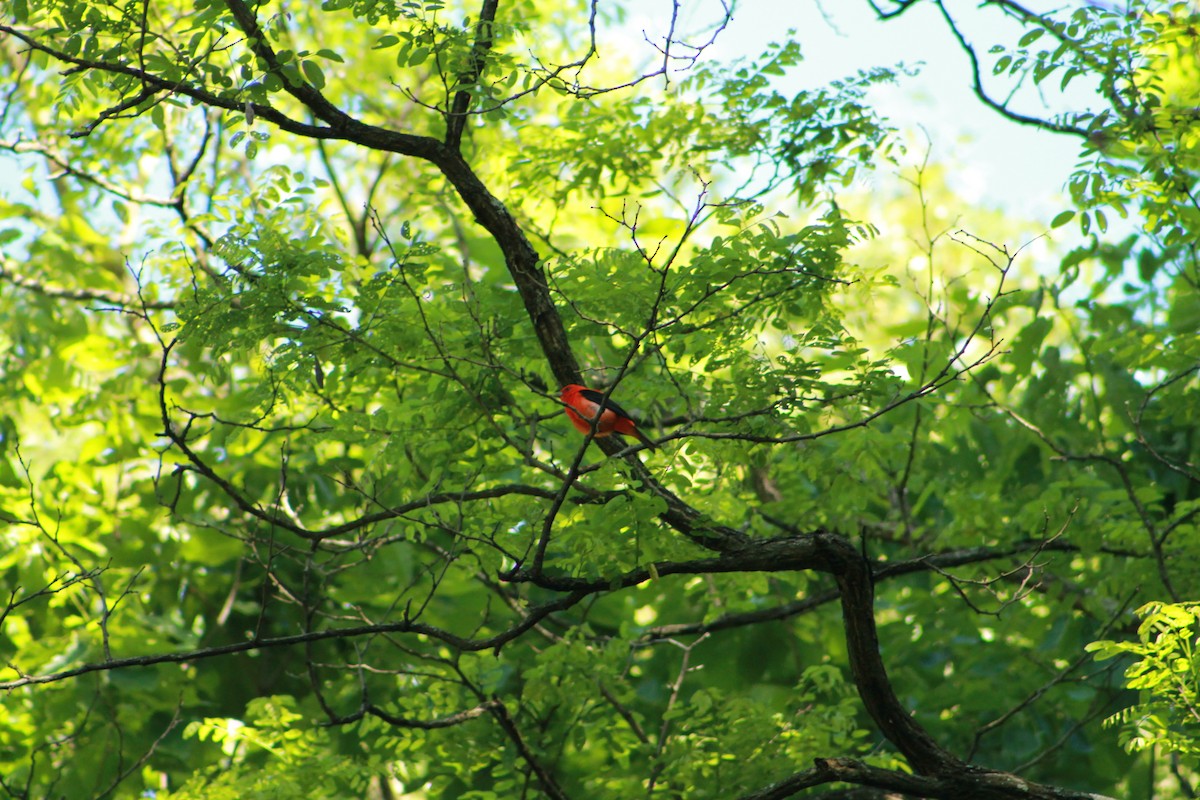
pixel 113 299
pixel 986 99
pixel 973 784
pixel 456 120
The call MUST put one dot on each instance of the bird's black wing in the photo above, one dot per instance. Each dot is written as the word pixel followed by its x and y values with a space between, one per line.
pixel 596 397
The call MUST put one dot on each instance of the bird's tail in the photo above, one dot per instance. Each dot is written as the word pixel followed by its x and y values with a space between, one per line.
pixel 641 437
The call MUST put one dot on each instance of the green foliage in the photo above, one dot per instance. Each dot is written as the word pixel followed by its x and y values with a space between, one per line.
pixel 1166 675
pixel 272 751
pixel 290 506
pixel 1141 144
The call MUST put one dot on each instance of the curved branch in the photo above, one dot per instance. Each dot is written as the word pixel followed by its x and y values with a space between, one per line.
pixel 307 94
pixel 940 774
pixel 63 166
pixel 854 580
pixel 342 125
pixel 988 100
pixel 886 13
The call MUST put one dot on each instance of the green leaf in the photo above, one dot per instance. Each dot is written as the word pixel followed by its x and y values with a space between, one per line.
pixel 418 56
pixel 1031 37
pixel 314 74
pixel 1062 219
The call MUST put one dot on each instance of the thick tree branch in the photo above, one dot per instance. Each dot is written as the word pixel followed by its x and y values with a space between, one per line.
pixel 490 212
pixel 306 93
pixel 456 120
pixel 520 258
pixel 940 774
pixel 870 676
pixel 972 784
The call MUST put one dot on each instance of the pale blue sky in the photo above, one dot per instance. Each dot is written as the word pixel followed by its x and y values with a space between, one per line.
pixel 1018 167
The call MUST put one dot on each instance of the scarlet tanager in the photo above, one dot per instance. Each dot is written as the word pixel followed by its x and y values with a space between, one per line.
pixel 582 404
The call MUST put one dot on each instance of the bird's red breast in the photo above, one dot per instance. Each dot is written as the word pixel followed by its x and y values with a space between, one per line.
pixel 582 406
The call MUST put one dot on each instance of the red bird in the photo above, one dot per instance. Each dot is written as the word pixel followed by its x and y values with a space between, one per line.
pixel 582 404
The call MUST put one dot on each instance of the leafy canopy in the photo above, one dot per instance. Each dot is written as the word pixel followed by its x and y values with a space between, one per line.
pixel 291 508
